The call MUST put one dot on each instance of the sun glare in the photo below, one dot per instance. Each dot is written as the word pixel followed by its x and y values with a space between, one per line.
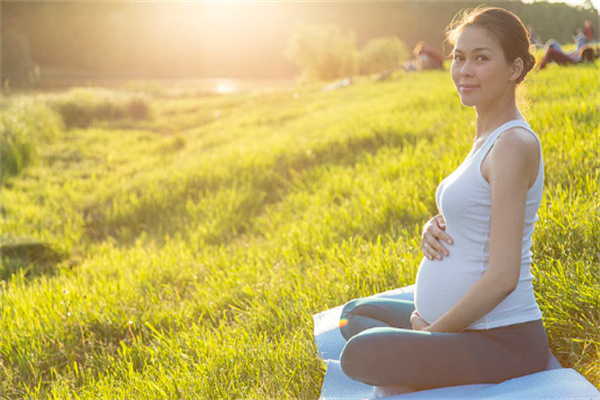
pixel 226 86
pixel 223 38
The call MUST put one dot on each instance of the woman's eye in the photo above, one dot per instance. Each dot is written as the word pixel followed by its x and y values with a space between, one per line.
pixel 458 58
pixel 481 58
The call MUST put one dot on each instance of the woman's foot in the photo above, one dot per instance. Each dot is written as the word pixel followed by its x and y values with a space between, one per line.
pixel 389 391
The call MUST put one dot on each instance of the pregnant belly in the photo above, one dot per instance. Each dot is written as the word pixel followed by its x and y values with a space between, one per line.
pixel 441 283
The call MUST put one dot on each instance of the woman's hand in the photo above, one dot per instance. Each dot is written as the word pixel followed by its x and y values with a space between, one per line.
pixel 418 323
pixel 433 234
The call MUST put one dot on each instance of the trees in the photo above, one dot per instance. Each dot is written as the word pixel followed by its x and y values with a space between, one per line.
pixel 382 54
pixel 222 39
pixel 323 52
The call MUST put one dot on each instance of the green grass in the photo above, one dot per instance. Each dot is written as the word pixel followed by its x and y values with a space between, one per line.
pixel 30 123
pixel 195 245
pixel 25 126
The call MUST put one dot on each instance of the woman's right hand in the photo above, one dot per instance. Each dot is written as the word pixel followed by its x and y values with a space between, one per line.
pixel 431 239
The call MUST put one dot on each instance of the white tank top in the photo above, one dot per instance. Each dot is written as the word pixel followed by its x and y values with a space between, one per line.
pixel 464 199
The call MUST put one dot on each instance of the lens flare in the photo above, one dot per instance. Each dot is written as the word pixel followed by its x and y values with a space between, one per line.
pixel 343 322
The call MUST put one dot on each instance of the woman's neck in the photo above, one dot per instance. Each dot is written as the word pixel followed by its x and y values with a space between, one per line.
pixel 494 115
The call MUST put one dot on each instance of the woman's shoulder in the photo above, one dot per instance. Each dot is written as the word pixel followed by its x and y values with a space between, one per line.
pixel 519 140
pixel 516 153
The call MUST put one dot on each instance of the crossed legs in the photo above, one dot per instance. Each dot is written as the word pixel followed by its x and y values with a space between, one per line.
pixel 383 350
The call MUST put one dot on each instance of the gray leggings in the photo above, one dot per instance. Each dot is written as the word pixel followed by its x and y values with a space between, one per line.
pixel 382 349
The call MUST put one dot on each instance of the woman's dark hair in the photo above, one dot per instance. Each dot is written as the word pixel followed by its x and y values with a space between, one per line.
pixel 504 26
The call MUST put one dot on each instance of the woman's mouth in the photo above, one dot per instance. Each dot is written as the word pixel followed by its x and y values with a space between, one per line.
pixel 467 88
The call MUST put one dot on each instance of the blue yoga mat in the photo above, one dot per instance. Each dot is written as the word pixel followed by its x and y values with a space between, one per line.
pixel 553 383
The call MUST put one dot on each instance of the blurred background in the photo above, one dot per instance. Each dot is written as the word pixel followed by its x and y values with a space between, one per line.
pixel 49 45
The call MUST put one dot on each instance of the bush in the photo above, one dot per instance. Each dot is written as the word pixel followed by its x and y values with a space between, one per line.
pixel 23 127
pixel 382 54
pixel 151 88
pixel 80 107
pixel 323 52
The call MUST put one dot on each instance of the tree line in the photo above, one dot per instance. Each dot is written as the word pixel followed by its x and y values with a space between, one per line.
pixel 166 40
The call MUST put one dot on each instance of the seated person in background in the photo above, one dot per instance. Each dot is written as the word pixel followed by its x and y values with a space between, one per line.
pixel 580 39
pixel 426 57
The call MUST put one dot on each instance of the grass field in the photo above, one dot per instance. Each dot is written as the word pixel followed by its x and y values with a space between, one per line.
pixel 183 253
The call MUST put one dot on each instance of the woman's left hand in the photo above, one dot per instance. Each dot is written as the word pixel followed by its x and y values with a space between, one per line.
pixel 418 323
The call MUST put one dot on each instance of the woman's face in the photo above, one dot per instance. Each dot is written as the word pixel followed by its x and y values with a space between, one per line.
pixel 480 72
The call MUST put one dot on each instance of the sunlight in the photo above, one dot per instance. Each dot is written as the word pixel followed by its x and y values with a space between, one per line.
pixel 218 39
pixel 226 86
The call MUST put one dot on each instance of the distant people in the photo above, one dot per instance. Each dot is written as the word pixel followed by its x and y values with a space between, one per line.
pixel 589 32
pixel 426 57
pixel 580 41
pixel 554 53
pixel 583 52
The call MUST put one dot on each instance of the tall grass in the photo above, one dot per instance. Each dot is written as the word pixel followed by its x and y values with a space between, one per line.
pixel 197 254
pixel 80 107
pixel 28 124
pixel 24 126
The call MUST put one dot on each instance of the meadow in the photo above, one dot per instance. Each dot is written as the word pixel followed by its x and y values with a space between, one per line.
pixel 179 248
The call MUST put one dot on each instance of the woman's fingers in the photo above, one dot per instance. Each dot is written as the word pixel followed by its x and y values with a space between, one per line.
pixel 434 247
pixel 440 234
pixel 430 252
pixel 440 230
pixel 433 234
pixel 440 221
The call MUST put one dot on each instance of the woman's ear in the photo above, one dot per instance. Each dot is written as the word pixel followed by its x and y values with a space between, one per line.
pixel 517 69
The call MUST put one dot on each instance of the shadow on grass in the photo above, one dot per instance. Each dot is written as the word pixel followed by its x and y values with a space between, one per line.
pixel 29 257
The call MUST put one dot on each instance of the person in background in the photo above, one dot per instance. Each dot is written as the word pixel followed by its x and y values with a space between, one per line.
pixel 426 57
pixel 588 29
pixel 580 39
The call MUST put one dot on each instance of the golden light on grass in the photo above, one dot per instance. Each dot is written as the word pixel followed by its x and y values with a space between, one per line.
pixel 219 241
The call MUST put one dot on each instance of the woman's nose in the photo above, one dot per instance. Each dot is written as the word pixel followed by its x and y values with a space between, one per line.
pixel 466 68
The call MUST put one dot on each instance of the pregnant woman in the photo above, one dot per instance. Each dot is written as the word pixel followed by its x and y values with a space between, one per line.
pixel 475 318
